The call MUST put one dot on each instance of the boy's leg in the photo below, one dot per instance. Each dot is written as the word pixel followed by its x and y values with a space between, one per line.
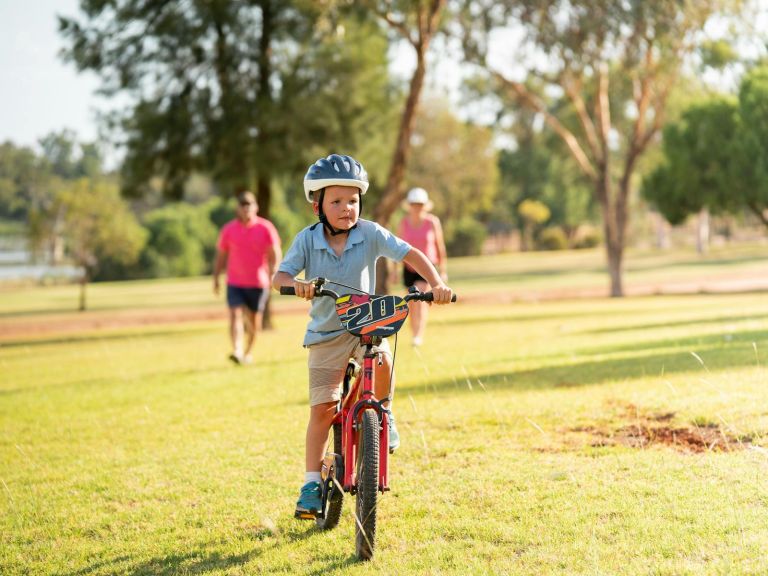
pixel 320 418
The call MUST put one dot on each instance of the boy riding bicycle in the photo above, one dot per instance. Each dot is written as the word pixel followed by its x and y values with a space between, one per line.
pixel 344 249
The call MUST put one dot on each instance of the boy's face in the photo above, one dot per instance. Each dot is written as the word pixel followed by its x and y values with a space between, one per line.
pixel 341 205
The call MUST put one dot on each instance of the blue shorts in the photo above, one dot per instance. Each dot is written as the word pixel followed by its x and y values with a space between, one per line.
pixel 254 298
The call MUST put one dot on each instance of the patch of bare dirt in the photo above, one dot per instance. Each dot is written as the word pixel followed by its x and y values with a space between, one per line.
pixel 646 430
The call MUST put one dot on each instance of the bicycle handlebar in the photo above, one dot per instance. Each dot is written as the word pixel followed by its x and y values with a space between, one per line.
pixel 419 296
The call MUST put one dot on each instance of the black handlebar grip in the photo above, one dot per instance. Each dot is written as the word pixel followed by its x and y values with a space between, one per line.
pixel 287 291
pixel 429 297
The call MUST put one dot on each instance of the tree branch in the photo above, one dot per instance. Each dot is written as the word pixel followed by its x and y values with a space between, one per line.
pixel 534 103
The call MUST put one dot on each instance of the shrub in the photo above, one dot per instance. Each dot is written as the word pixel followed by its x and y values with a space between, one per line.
pixel 465 237
pixel 552 238
pixel 182 241
pixel 586 237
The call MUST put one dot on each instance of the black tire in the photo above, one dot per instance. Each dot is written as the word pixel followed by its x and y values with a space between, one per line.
pixel 335 498
pixel 367 485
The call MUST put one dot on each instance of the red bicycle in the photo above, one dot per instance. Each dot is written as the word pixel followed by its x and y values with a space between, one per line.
pixel 360 428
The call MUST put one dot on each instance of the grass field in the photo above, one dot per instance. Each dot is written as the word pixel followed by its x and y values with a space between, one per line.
pixel 584 436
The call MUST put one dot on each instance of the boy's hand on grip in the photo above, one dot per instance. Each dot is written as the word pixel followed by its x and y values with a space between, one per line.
pixel 442 294
pixel 304 288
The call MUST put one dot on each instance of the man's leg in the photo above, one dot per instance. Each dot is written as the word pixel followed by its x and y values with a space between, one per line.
pixel 236 332
pixel 252 328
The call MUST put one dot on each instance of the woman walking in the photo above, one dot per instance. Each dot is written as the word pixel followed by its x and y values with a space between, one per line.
pixel 422 230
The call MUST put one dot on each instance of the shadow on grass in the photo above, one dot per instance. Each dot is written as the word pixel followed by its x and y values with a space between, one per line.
pixel 649 359
pixel 691 322
pixel 95 336
pixel 202 561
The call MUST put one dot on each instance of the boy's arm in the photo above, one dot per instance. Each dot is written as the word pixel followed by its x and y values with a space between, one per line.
pixel 421 264
pixel 274 256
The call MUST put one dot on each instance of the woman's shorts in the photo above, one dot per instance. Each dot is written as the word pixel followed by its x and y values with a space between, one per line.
pixel 253 298
pixel 327 363
pixel 410 278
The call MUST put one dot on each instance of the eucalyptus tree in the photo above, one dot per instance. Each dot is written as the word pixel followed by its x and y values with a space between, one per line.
pixel 614 62
pixel 241 91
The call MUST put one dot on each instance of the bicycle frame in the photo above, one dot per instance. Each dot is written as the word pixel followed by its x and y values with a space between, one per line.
pixel 360 397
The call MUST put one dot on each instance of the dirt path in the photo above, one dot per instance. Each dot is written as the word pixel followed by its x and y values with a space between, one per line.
pixel 39 326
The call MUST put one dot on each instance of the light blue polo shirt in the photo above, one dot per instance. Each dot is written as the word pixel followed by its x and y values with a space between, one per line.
pixel 356 267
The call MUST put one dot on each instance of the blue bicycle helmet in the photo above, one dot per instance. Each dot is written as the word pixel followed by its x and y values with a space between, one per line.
pixel 335 170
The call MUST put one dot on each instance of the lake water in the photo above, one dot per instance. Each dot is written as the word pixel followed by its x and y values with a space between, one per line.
pixel 16 263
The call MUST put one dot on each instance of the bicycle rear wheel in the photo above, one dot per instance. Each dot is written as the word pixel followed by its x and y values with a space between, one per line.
pixel 367 485
pixel 334 498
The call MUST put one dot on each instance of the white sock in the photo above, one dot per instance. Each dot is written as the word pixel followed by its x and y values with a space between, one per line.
pixel 312 477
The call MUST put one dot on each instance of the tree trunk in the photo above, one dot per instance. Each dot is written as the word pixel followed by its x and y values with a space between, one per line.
pixel 702 231
pixel 392 193
pixel 614 226
pixel 83 285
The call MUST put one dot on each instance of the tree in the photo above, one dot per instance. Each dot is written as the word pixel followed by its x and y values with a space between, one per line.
pixel 533 214
pixel 614 63
pixel 241 91
pixel 22 181
pixel 751 160
pixel 697 169
pixel 715 156
pixel 454 161
pixel 97 224
pixel 417 23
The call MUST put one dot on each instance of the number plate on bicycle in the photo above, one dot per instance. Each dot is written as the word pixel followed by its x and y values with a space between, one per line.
pixel 365 315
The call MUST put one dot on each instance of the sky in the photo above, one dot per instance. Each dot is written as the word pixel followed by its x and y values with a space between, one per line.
pixel 39 93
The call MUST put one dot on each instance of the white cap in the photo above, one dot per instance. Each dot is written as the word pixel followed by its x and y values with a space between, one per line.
pixel 417 196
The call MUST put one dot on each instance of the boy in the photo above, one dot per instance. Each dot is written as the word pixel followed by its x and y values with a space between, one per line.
pixel 343 249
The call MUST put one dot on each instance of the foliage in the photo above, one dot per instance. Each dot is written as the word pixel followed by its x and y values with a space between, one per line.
pixel 464 237
pixel 97 224
pixel 22 181
pixel 552 238
pixel 697 171
pixel 715 156
pixel 182 241
pixel 454 161
pixel 613 63
pixel 241 91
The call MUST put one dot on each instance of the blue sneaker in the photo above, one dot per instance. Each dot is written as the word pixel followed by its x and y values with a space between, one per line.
pixel 394 435
pixel 309 502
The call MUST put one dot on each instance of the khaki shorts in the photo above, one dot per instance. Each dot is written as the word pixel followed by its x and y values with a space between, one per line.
pixel 327 363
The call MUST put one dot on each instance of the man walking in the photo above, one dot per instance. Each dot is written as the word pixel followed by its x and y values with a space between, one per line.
pixel 249 249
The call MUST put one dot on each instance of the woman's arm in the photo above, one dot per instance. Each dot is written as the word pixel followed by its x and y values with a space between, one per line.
pixel 441 251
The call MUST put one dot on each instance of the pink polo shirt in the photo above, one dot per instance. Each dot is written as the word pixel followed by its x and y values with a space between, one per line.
pixel 422 236
pixel 247 246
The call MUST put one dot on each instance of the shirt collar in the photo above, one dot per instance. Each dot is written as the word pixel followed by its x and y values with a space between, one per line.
pixel 319 242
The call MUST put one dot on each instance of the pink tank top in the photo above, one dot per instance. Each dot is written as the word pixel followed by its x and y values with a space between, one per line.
pixel 422 236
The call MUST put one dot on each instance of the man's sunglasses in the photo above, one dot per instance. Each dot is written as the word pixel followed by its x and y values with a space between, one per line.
pixel 245 203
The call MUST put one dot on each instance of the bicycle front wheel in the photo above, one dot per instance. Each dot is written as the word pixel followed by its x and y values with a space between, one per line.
pixel 367 485
pixel 334 495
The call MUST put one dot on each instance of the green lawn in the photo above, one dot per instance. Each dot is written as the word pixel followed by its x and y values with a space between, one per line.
pixel 141 451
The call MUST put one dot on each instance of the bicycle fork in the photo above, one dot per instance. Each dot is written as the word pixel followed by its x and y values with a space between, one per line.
pixel 367 401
